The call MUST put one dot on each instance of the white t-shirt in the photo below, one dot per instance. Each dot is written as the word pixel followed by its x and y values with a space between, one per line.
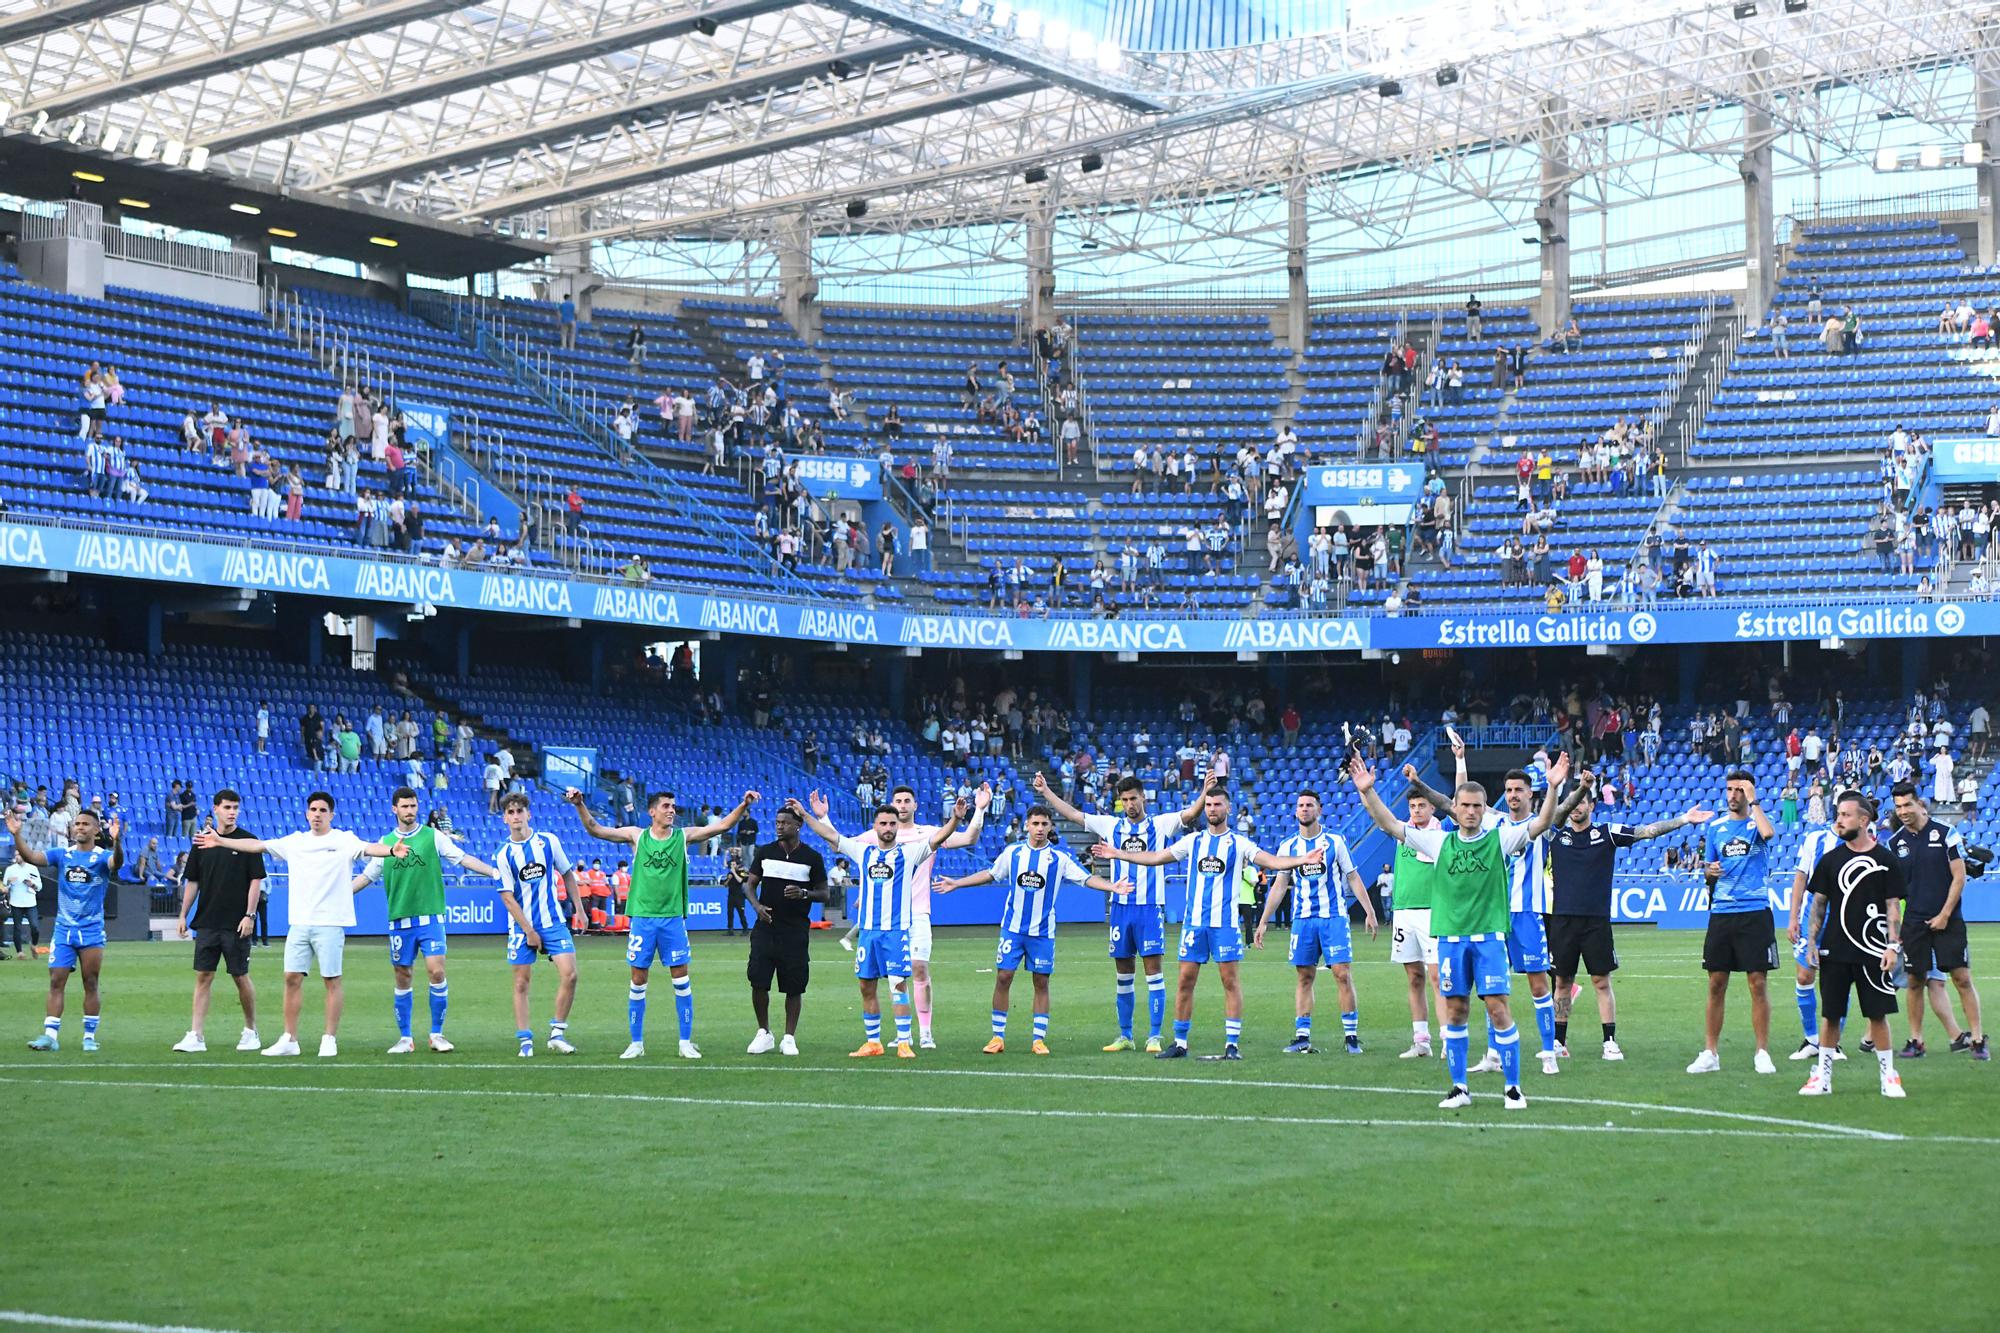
pixel 321 867
pixel 23 883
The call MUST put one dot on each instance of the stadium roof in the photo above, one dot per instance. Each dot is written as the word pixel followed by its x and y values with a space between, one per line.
pixel 565 119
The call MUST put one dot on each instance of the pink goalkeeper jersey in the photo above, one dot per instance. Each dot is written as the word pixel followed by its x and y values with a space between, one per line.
pixel 920 878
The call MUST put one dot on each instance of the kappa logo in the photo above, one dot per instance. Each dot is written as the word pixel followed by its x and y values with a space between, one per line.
pixel 1461 858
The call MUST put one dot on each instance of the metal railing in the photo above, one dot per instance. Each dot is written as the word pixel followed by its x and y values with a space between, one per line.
pixel 1685 361
pixel 1688 428
pixel 74 220
pixel 1364 440
pixel 229 265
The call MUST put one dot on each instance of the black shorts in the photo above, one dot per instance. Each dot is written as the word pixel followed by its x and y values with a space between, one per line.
pixel 1867 980
pixel 1581 937
pixel 221 946
pixel 781 951
pixel 1924 948
pixel 1740 942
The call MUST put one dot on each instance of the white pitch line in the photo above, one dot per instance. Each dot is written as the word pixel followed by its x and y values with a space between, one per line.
pixel 113 1325
pixel 1812 1127
pixel 1005 1112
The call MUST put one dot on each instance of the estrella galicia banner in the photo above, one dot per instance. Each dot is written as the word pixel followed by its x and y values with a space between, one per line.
pixel 363 582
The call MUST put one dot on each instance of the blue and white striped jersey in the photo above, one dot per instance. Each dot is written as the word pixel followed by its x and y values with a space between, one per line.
pixel 1215 862
pixel 1138 835
pixel 1813 846
pixel 530 869
pixel 1527 869
pixel 1031 876
pixel 882 880
pixel 1319 890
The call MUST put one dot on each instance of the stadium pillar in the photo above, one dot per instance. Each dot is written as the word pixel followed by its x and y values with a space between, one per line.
pixel 573 263
pixel 391 276
pixel 1691 655
pixel 1916 666
pixel 1079 682
pixel 1041 269
pixel 301 629
pixel 1298 299
pixel 896 677
pixel 1986 133
pixel 798 289
pixel 461 653
pixel 1760 229
pixel 1552 220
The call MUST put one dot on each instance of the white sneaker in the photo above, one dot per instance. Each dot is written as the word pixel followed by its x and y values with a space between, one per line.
pixel 286 1045
pixel 1838 1055
pixel 440 1045
pixel 1892 1085
pixel 787 1046
pixel 1562 1050
pixel 561 1046
pixel 1513 1100
pixel 1808 1050
pixel 634 1051
pixel 1549 1065
pixel 248 1041
pixel 328 1047
pixel 927 1042
pixel 527 1051
pixel 1459 1098
pixel 689 1051
pixel 1488 1063
pixel 1816 1086
pixel 763 1043
pixel 1705 1063
pixel 403 1046
pixel 1763 1064
pixel 192 1044
pixel 1418 1051
pixel 1611 1051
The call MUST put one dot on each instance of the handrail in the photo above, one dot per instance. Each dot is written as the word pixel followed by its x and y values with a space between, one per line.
pixel 1684 363
pixel 1365 438
pixel 1689 427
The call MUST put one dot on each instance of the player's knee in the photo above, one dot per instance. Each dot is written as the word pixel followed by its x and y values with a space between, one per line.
pixel 1599 984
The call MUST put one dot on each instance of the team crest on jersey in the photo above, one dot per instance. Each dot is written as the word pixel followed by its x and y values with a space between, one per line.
pixel 1212 865
pixel 1031 880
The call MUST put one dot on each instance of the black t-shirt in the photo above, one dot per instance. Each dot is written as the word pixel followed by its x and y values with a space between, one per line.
pixel 224 879
pixel 774 868
pixel 187 804
pixel 1581 862
pixel 1926 858
pixel 746 831
pixel 1857 887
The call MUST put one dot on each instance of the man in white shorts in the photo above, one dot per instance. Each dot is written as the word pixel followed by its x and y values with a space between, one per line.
pixel 904 800
pixel 1413 946
pixel 319 905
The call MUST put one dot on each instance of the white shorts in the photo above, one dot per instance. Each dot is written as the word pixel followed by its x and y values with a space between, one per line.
pixel 920 937
pixel 305 945
pixel 1412 937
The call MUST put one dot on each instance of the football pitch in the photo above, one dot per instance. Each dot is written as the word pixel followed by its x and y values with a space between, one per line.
pixel 480 1190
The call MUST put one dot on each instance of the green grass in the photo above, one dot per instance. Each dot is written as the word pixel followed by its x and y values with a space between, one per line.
pixel 478 1190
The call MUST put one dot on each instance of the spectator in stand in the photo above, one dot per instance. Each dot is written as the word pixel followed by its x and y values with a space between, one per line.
pixel 1517 365
pixel 295 494
pixel 885 544
pixel 566 321
pixel 572 509
pixel 1289 724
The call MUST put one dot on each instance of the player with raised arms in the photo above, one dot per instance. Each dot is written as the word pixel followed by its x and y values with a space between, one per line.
pixel 657 909
pixel 1032 872
pixel 83 876
pixel 532 867
pixel 1469 915
pixel 1216 858
pixel 413 888
pixel 1320 933
pixel 883 871
pixel 1139 916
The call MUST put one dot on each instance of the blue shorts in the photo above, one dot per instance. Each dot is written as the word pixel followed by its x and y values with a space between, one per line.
pixel 1138 931
pixel 1469 966
pixel 661 937
pixel 1211 944
pixel 1527 944
pixel 406 944
pixel 1037 951
pixel 1321 939
pixel 70 940
pixel 555 940
pixel 1799 950
pixel 882 953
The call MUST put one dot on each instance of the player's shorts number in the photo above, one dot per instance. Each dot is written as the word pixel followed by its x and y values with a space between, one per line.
pixel 1116 934
pixel 1399 934
pixel 395 944
pixel 1187 939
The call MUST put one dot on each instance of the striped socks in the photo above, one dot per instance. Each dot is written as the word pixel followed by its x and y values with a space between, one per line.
pixel 1508 1042
pixel 635 1011
pixel 1350 1023
pixel 1127 1002
pixel 1456 1039
pixel 1232 1031
pixel 871 1026
pixel 1000 1022
pixel 440 999
pixel 1041 1027
pixel 1545 1020
pixel 1156 1001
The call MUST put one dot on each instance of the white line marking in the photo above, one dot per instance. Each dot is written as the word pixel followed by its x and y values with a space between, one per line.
pixel 1814 1127
pixel 752 1103
pixel 114 1325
